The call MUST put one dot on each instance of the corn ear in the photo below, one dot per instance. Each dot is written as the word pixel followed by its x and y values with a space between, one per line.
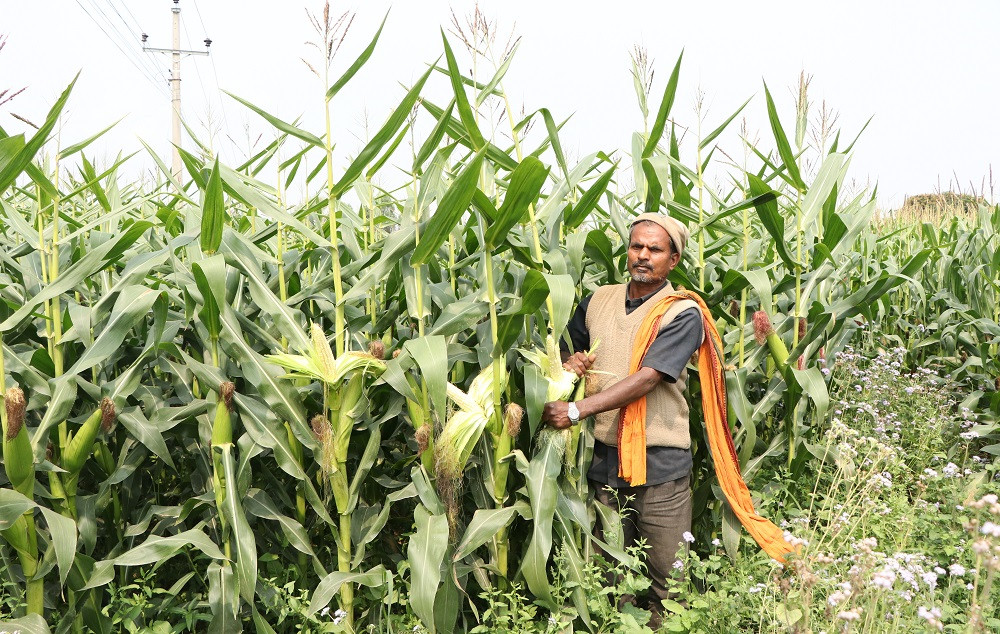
pixel 351 363
pixel 321 352
pixel 350 397
pixel 17 455
pixel 560 380
pixel 222 428
pixel 465 402
pixel 324 436
pixel 222 434
pixel 82 444
pixel 513 416
pixel 481 390
pixel 765 334
pixel 454 445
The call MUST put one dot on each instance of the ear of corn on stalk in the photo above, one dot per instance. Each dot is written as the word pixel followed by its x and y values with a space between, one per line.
pixel 321 364
pixel 222 434
pixel 465 425
pixel 17 455
pixel 82 444
pixel 560 380
pixel 20 468
pixel 765 334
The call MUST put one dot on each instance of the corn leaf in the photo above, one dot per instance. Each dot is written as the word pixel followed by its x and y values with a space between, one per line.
pixel 385 134
pixel 669 92
pixel 426 553
pixel 453 205
pixel 784 149
pixel 464 108
pixel 246 543
pixel 358 63
pixel 525 185
pixel 213 212
pixel 287 128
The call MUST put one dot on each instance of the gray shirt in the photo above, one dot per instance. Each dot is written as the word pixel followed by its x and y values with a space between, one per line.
pixel 668 354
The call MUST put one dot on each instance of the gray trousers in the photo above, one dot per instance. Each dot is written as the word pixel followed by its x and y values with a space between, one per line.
pixel 660 514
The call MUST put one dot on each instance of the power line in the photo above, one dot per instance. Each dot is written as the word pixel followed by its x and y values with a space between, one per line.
pixel 135 31
pixel 144 70
pixel 215 72
pixel 122 38
pixel 131 15
pixel 187 38
pixel 122 43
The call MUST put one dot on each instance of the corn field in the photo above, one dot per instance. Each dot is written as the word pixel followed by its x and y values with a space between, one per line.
pixel 243 395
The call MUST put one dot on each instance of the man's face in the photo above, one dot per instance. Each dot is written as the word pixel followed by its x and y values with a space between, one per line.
pixel 650 256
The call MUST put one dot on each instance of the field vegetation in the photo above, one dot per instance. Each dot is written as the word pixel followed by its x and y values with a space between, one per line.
pixel 227 408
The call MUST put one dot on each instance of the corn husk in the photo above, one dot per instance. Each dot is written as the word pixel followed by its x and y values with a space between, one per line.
pixel 465 424
pixel 17 455
pixel 321 365
pixel 561 381
pixel 82 443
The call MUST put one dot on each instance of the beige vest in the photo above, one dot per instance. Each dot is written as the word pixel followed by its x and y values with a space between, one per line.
pixel 666 408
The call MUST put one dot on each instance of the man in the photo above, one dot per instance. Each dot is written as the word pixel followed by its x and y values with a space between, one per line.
pixel 658 509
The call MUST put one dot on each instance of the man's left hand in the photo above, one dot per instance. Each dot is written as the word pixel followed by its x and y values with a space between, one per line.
pixel 555 414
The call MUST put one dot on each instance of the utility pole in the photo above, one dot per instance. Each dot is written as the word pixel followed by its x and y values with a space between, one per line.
pixel 175 81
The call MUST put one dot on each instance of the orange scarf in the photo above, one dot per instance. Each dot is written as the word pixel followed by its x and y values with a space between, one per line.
pixel 632 425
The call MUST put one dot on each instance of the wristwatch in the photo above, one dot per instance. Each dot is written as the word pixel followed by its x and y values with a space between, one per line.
pixel 573 413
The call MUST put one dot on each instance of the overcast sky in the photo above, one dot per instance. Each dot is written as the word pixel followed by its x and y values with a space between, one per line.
pixel 927 71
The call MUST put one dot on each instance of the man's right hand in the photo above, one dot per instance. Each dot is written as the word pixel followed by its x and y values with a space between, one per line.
pixel 579 362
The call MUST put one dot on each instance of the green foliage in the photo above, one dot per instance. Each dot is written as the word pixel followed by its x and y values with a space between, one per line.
pixel 344 320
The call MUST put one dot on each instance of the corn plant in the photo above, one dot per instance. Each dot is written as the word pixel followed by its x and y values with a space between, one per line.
pixel 231 387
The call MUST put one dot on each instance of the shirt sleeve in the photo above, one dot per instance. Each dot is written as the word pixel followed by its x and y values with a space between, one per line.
pixel 673 347
pixel 577 328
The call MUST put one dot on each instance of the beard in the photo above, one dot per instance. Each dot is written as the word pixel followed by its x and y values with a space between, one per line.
pixel 644 276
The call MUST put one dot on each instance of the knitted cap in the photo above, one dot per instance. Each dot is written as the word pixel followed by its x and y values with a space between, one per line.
pixel 676 229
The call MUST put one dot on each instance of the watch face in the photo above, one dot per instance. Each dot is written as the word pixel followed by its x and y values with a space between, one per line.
pixel 573 412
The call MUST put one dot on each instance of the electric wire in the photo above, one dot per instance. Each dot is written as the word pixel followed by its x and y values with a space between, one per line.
pixel 137 31
pixel 123 38
pixel 123 44
pixel 215 72
pixel 136 62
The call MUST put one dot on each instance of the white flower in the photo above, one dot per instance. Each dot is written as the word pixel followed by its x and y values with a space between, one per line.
pixel 678 565
pixel 930 579
pixel 716 542
pixel 837 598
pixel 956 570
pixel 932 616
pixel 884 578
pixel 989 528
pixel 338 616
pixel 850 615
pixel 688 537
pixel 794 541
